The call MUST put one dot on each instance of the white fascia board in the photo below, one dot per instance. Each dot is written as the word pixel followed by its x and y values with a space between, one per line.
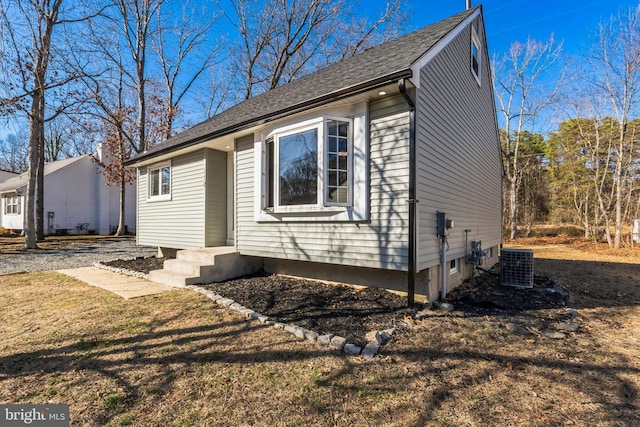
pixel 431 53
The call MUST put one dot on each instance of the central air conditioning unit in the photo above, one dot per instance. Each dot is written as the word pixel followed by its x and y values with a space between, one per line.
pixel 516 267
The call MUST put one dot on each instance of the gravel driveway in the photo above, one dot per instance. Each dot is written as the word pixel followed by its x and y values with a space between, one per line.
pixel 80 256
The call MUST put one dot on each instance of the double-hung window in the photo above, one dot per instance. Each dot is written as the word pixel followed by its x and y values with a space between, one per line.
pixel 12 205
pixel 309 168
pixel 159 182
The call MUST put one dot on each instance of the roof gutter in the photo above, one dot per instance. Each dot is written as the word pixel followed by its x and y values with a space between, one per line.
pixel 316 102
pixel 412 201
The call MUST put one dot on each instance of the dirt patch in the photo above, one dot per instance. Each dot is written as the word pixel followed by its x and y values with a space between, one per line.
pixel 139 264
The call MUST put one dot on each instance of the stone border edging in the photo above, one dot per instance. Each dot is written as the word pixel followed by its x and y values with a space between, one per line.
pixel 333 341
pixel 124 271
pixel 339 343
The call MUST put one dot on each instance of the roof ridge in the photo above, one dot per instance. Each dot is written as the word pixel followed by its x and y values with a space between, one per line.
pixel 376 66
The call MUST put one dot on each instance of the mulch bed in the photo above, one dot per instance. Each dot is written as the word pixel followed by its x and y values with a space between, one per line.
pixel 486 296
pixel 353 312
pixel 324 308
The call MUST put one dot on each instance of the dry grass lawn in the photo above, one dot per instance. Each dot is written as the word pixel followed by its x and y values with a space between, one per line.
pixel 178 359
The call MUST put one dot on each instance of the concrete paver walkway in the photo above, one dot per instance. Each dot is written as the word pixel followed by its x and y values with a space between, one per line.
pixel 125 286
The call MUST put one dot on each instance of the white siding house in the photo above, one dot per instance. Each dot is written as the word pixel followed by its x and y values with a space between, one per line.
pixel 341 174
pixel 77 199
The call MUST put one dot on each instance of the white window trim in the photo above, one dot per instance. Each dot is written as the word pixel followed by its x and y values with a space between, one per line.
pixel 358 208
pixel 16 201
pixel 456 267
pixel 160 197
pixel 291 130
pixel 475 40
pixel 438 47
pixel 325 173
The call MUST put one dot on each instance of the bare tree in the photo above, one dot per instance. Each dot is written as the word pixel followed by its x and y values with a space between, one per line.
pixel 30 41
pixel 33 67
pixel 118 108
pixel 64 138
pixel 111 114
pixel 184 56
pixel 615 62
pixel 14 154
pixel 521 98
pixel 133 20
pixel 281 40
pixel 129 108
pixel 217 93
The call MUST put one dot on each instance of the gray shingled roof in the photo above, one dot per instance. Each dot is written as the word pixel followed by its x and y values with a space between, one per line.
pixel 372 68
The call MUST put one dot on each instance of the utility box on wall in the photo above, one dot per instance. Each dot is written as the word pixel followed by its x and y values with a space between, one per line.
pixel 516 268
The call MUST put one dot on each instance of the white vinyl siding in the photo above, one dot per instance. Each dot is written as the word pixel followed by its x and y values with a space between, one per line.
pixel 378 243
pixel 178 222
pixel 459 168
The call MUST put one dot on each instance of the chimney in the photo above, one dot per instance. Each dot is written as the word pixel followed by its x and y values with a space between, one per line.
pixel 468 4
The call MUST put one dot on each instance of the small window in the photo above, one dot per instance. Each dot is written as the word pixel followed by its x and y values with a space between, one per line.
pixel 160 182
pixel 12 205
pixel 453 266
pixel 476 55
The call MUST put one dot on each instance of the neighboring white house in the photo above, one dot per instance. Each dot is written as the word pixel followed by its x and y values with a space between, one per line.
pixel 383 169
pixel 77 199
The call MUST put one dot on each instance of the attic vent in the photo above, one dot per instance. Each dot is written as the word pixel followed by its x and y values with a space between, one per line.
pixel 516 267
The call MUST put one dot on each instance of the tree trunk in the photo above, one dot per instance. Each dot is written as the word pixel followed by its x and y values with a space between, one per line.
pixel 513 208
pixel 40 188
pixel 142 103
pixel 121 227
pixel 618 184
pixel 36 130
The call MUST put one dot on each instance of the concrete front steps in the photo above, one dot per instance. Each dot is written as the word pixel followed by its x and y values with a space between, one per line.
pixel 206 265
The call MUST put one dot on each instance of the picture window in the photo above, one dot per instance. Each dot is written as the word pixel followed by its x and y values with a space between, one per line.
pixel 309 166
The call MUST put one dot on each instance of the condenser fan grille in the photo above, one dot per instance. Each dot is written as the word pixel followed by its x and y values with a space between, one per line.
pixel 516 267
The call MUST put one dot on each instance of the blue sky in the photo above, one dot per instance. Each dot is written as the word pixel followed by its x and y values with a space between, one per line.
pixel 507 21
